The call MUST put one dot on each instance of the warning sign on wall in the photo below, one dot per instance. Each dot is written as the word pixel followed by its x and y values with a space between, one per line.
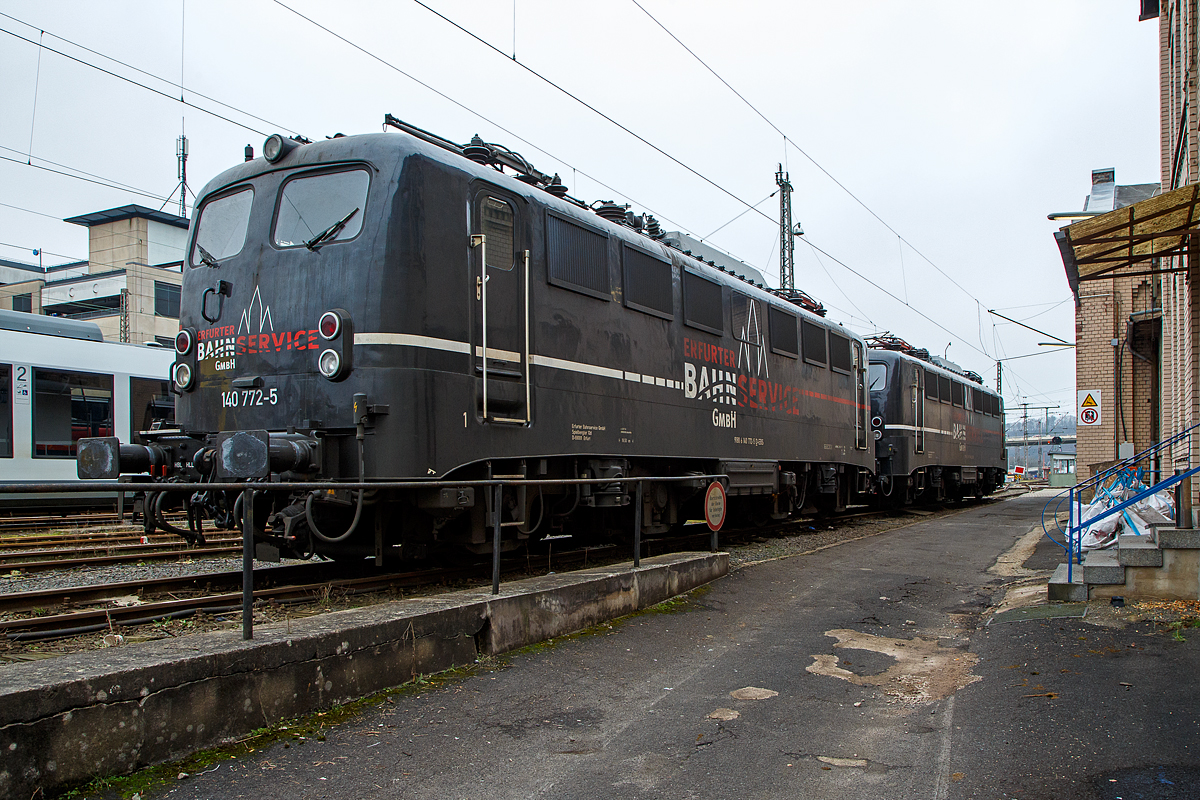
pixel 1088 403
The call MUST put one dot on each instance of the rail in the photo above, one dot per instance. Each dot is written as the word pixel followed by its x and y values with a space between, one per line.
pixel 1129 475
pixel 248 489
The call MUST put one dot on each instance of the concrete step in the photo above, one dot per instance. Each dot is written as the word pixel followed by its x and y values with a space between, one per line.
pixel 1060 590
pixel 1178 538
pixel 1138 551
pixel 1102 567
pixel 1155 520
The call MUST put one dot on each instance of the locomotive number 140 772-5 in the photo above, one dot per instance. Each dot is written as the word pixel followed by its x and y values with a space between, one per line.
pixel 249 397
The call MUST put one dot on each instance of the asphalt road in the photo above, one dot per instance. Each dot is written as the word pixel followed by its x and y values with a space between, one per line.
pixel 861 671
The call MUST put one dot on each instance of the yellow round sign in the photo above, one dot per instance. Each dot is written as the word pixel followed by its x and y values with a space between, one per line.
pixel 714 506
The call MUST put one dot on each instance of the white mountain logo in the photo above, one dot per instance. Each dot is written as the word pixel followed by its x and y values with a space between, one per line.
pixel 264 315
pixel 750 342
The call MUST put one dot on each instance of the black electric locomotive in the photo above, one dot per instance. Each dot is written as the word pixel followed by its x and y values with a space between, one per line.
pixel 939 433
pixel 398 307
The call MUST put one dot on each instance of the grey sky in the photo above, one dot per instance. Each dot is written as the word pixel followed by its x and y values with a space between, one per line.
pixel 961 125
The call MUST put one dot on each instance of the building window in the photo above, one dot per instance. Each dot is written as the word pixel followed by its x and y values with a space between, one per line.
pixel 166 300
pixel 86 309
pixel 23 302
pixel 67 407
pixel 6 417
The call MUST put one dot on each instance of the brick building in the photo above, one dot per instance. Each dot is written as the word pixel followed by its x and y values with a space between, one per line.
pixel 129 285
pixel 1117 333
pixel 1134 278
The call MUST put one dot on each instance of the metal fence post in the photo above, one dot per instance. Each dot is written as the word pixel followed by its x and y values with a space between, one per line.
pixel 247 564
pixel 496 496
pixel 1070 531
pixel 637 526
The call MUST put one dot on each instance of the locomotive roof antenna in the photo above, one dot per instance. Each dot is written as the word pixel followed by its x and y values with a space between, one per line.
pixel 787 242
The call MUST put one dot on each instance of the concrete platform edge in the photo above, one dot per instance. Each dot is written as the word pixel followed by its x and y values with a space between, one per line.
pixel 68 719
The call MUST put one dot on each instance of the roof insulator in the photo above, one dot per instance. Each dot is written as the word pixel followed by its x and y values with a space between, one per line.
pixel 556 187
pixel 653 229
pixel 478 151
pixel 612 212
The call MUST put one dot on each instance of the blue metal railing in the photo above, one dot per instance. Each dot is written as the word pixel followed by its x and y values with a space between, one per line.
pixel 1129 474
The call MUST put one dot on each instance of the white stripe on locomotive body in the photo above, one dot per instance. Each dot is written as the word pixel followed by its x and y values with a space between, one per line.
pixel 413 340
pixel 914 429
pixel 451 346
pixel 39 351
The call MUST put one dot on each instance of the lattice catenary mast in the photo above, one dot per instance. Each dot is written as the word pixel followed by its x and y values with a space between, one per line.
pixel 787 245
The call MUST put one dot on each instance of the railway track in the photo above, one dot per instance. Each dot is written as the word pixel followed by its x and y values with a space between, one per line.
pixel 97 552
pixel 76 610
pixel 51 521
pixel 124 535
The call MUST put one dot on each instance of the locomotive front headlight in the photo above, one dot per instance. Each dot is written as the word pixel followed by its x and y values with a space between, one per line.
pixel 877 422
pixel 277 146
pixel 329 363
pixel 183 375
pixel 330 325
pixel 183 342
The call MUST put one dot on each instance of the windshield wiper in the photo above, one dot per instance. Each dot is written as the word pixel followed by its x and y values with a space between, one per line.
pixel 329 232
pixel 206 258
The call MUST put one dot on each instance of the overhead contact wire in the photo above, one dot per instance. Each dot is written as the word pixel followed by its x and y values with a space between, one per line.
pixel 167 81
pixel 158 92
pixel 588 106
pixel 802 151
pixel 476 114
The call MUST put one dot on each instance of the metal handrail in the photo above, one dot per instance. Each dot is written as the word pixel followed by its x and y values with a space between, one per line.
pixel 1072 542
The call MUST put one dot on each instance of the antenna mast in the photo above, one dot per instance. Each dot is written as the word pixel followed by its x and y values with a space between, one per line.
pixel 181 152
pixel 787 245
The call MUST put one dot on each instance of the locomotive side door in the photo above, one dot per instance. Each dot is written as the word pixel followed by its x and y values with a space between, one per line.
pixel 918 403
pixel 500 345
pixel 862 400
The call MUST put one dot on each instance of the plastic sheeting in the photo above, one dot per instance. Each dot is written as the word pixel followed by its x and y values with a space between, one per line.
pixel 1137 518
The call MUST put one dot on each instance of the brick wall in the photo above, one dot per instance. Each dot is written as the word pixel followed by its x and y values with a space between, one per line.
pixel 1180 160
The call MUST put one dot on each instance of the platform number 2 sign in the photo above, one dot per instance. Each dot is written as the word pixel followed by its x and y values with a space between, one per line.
pixel 1089 407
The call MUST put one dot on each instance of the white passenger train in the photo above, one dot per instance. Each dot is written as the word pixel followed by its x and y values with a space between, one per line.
pixel 59 382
